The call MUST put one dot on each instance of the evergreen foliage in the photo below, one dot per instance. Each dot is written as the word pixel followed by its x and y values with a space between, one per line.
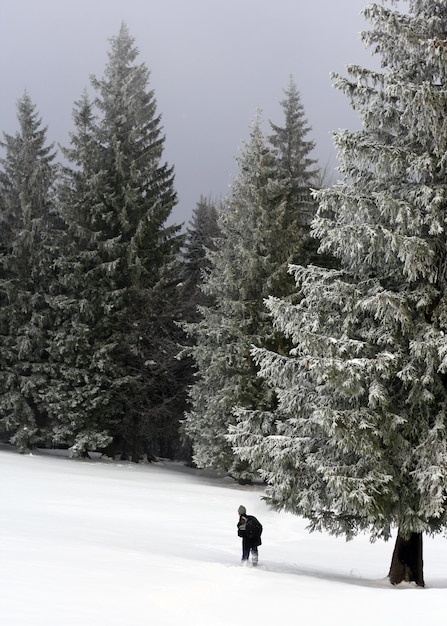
pixel 200 236
pixel 29 238
pixel 203 230
pixel 358 440
pixel 116 342
pixel 297 169
pixel 260 234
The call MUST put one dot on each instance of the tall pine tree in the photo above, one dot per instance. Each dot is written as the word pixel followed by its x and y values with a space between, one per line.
pixel 117 341
pixel 30 234
pixel 258 234
pixel 359 437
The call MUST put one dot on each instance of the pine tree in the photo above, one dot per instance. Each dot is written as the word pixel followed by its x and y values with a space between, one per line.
pixel 292 149
pixel 78 391
pixel 359 437
pixel 30 233
pixel 257 238
pixel 300 175
pixel 200 237
pixel 118 340
pixel 203 230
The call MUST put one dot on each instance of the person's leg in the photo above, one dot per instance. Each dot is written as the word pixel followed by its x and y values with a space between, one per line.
pixel 254 555
pixel 245 549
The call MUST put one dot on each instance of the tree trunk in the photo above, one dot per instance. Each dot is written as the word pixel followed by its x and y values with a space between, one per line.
pixel 407 564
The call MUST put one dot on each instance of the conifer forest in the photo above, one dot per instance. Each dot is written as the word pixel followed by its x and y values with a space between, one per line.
pixel 295 331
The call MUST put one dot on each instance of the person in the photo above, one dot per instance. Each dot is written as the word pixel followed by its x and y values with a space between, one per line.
pixel 250 529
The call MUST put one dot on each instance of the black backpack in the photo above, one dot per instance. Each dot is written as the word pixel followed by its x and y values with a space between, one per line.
pixel 253 528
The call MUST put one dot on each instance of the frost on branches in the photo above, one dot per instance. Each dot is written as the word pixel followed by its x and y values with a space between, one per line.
pixel 265 228
pixel 359 437
pixel 30 239
pixel 116 377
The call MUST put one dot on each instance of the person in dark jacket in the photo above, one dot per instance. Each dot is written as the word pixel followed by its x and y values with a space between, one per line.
pixel 250 529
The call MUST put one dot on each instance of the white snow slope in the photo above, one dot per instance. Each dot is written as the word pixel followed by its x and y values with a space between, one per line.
pixel 88 543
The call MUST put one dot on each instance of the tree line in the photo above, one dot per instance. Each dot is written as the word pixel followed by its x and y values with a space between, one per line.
pixel 90 275
pixel 98 294
pixel 297 332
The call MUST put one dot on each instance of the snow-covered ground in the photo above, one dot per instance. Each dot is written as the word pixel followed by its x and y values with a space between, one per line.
pixel 88 543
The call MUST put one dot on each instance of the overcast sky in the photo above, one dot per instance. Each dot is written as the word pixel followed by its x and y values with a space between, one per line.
pixel 212 63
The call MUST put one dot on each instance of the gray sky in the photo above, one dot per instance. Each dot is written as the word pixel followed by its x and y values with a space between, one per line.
pixel 212 63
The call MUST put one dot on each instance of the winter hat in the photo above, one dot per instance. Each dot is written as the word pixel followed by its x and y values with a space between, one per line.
pixel 242 510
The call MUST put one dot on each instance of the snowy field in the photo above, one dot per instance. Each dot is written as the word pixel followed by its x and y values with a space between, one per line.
pixel 88 543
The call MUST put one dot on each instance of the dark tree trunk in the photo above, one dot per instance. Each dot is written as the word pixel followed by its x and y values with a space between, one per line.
pixel 407 564
pixel 135 443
